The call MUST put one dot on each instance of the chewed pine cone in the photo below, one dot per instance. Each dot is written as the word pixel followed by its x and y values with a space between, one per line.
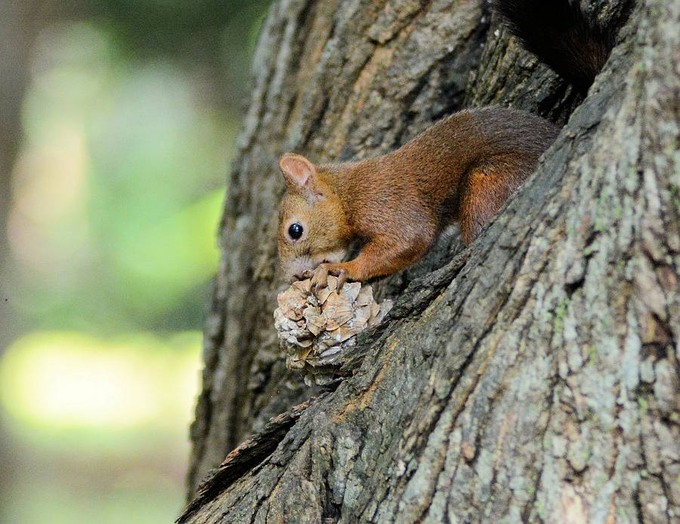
pixel 315 326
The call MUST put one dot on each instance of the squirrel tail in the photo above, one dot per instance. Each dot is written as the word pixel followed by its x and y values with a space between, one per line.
pixel 561 35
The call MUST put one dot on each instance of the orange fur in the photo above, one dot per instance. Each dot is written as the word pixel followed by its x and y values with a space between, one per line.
pixel 462 169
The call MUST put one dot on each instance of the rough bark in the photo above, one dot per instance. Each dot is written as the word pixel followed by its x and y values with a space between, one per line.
pixel 534 376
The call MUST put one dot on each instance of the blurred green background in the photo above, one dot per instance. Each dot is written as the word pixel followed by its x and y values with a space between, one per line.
pixel 119 119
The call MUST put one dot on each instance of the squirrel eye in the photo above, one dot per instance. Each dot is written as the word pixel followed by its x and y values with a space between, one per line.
pixel 295 231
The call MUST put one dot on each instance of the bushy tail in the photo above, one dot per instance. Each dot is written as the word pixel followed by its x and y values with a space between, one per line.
pixel 561 35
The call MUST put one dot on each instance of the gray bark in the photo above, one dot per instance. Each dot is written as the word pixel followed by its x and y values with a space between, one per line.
pixel 532 377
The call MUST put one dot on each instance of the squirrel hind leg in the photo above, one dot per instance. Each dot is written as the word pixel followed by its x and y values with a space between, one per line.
pixel 486 190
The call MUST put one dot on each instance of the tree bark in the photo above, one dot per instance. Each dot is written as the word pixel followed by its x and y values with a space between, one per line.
pixel 531 377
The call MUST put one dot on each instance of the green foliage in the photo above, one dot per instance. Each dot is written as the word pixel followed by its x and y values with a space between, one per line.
pixel 159 26
pixel 121 188
pixel 107 418
pixel 129 123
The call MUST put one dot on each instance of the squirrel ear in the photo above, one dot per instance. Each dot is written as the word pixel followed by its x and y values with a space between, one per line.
pixel 297 170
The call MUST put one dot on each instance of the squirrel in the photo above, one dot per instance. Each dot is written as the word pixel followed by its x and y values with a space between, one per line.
pixel 461 170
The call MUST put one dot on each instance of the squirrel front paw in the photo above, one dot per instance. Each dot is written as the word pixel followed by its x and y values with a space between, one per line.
pixel 320 277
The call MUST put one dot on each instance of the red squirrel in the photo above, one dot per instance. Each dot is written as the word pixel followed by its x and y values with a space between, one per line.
pixel 461 170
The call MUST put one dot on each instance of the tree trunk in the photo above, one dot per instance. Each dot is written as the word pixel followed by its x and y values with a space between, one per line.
pixel 532 377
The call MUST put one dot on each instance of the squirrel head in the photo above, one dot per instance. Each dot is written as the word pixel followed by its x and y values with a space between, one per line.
pixel 313 226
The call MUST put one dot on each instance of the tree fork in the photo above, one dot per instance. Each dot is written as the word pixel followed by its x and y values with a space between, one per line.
pixel 534 377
